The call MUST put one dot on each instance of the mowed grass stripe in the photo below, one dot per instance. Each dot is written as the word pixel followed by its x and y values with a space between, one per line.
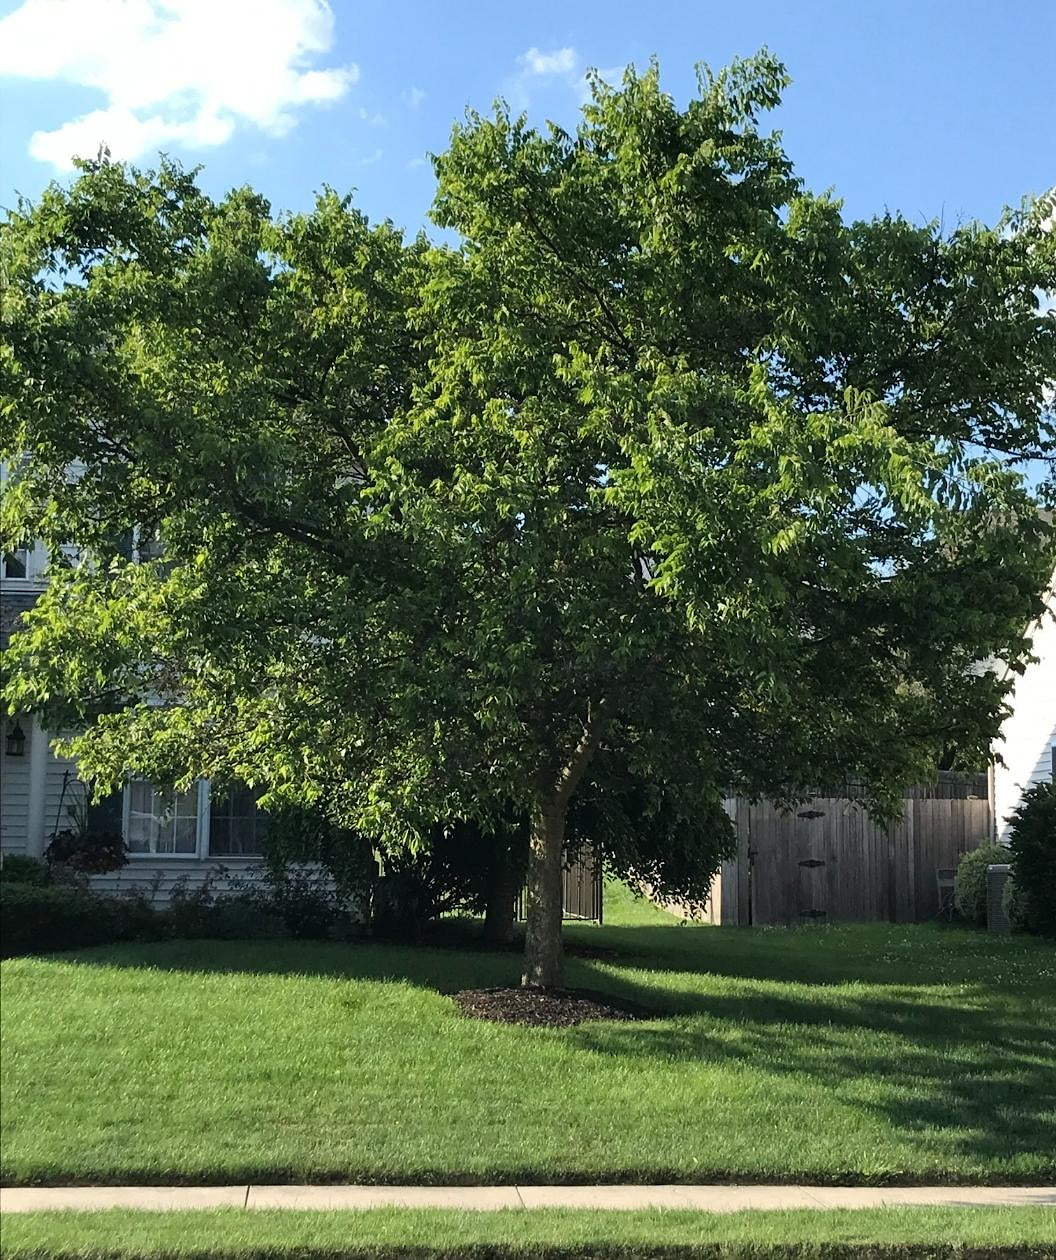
pixel 239 1235
pixel 862 1055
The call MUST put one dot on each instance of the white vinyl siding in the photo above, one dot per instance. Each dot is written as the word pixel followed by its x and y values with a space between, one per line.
pixel 14 792
pixel 61 792
pixel 1029 733
pixel 158 876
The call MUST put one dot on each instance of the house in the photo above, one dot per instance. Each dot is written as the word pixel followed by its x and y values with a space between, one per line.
pixel 186 836
pixel 1027 744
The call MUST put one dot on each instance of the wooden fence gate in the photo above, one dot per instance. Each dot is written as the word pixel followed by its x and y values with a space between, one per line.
pixel 582 890
pixel 828 862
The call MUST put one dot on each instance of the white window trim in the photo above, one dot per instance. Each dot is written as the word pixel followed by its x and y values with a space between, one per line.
pixel 36 561
pixel 204 832
pixel 205 791
pixel 201 848
pixel 201 831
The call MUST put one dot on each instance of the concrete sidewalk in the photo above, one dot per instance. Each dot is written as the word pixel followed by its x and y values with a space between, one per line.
pixel 492 1198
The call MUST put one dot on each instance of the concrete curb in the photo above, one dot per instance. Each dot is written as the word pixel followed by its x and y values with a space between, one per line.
pixel 494 1198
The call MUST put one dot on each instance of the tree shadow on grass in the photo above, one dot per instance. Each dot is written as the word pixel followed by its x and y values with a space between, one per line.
pixel 967 1068
pixel 875 953
pixel 974 1074
pixel 451 957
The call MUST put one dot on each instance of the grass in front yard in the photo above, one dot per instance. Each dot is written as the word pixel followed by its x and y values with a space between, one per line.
pixel 859 1054
pixel 237 1235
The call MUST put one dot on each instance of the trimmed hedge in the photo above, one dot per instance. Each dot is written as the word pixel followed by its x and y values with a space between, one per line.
pixel 38 919
pixel 19 869
pixel 969 888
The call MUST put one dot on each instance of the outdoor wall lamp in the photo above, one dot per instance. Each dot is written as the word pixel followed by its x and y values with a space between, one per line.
pixel 16 741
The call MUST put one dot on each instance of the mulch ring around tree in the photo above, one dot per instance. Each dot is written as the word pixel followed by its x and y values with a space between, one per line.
pixel 545 1008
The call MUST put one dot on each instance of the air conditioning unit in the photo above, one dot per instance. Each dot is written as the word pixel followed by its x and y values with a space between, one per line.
pixel 996 879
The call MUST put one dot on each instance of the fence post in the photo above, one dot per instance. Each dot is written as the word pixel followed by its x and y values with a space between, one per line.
pixel 744 860
pixel 911 852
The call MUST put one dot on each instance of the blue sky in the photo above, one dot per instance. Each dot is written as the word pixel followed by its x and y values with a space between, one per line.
pixel 935 107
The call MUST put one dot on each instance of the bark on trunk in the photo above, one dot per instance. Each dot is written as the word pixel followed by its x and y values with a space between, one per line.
pixel 546 851
pixel 498 917
pixel 546 846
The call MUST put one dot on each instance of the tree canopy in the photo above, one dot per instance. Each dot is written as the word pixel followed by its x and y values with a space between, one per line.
pixel 664 476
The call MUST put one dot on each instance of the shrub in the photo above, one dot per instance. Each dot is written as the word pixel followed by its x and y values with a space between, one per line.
pixel 87 852
pixel 199 915
pixel 452 873
pixel 969 889
pixel 187 914
pixel 36 919
pixel 303 835
pixel 244 917
pixel 319 874
pixel 1014 905
pixel 19 869
pixel 134 918
pixel 39 919
pixel 307 903
pixel 1032 850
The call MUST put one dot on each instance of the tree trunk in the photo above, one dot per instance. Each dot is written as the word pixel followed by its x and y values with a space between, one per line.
pixel 546 847
pixel 501 894
pixel 546 851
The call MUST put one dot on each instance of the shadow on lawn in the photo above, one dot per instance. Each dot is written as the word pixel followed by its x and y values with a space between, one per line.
pixel 975 1067
pixel 451 957
pixel 969 1067
pixel 995 1106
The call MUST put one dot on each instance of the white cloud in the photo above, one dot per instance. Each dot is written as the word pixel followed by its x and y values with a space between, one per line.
pixel 560 61
pixel 376 156
pixel 374 119
pixel 181 72
pixel 537 69
pixel 416 163
pixel 563 67
pixel 613 76
pixel 414 97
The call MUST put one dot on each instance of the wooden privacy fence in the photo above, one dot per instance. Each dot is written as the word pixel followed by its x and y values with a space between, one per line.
pixel 582 892
pixel 827 861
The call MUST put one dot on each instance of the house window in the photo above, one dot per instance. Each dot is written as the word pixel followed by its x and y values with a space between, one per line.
pixel 16 563
pixel 105 816
pixel 161 822
pixel 148 545
pixel 236 826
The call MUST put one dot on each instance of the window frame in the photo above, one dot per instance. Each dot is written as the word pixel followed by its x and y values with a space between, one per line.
pixel 201 827
pixel 207 851
pixel 32 558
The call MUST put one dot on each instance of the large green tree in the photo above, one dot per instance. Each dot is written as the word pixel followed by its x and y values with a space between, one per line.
pixel 664 477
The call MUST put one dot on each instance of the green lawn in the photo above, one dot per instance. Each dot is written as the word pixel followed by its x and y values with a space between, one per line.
pixel 861 1054
pixel 235 1235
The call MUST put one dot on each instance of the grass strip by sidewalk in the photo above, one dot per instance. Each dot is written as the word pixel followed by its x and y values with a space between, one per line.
pixel 908 1233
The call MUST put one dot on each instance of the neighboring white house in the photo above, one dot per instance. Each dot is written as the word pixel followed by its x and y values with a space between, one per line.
pixel 169 837
pixel 1027 745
